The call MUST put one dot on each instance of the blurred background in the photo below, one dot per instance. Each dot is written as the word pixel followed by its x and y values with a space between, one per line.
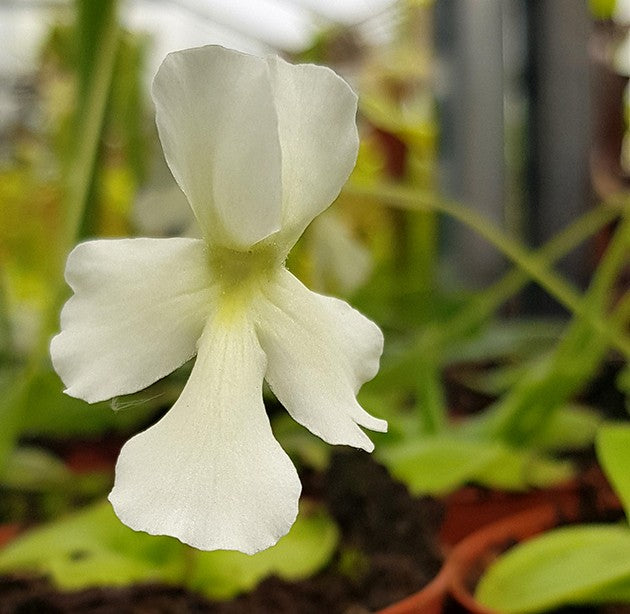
pixel 487 127
pixel 511 107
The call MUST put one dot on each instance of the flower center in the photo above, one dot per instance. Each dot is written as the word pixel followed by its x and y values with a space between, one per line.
pixel 241 275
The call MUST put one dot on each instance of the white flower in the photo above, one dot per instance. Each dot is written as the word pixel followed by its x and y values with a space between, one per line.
pixel 259 147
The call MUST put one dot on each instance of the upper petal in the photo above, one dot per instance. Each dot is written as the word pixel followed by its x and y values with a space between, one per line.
pixel 138 309
pixel 316 112
pixel 217 123
pixel 210 471
pixel 319 351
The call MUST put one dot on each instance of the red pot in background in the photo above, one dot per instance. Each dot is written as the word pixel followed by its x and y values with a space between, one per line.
pixel 468 560
pixel 91 455
pixel 480 524
pixel 469 509
pixel 429 600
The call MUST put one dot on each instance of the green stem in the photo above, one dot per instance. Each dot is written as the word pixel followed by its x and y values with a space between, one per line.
pixel 486 302
pixel 101 20
pixel 430 394
pixel 530 263
pixel 96 73
pixel 91 117
pixel 529 405
pixel 437 338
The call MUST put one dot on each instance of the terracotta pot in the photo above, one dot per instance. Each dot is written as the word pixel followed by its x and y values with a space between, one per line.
pixel 469 509
pixel 465 563
pixel 479 524
pixel 429 600
pixel 469 559
pixel 86 456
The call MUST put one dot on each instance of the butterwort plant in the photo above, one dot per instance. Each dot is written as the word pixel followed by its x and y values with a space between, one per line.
pixel 259 147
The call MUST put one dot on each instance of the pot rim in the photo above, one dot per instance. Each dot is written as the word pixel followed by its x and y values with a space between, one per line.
pixel 428 600
pixel 479 548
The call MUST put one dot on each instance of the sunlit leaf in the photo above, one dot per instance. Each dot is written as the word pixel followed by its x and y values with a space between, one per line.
pixel 92 547
pixel 519 469
pixel 31 468
pixel 436 465
pixel 440 464
pixel 602 9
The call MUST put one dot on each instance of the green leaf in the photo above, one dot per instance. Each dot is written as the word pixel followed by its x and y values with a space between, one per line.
pixel 306 549
pixel 618 592
pixel 572 565
pixel 613 452
pixel 13 395
pixel 623 384
pixel 32 469
pixel 514 469
pixel 93 548
pixel 438 465
pixel 51 412
pixel 571 427
pixel 417 200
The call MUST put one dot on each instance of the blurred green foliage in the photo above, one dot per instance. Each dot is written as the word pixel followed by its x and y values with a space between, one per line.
pixel 93 548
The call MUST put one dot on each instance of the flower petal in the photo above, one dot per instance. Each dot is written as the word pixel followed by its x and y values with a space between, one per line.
pixel 320 351
pixel 219 132
pixel 210 471
pixel 339 260
pixel 318 134
pixel 138 309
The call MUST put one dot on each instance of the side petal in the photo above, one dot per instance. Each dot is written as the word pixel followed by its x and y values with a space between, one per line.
pixel 320 351
pixel 210 471
pixel 217 123
pixel 138 310
pixel 316 112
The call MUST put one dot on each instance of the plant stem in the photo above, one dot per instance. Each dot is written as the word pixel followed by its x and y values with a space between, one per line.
pixel 486 302
pixel 529 405
pixel 95 81
pixel 530 263
pixel 438 337
pixel 430 394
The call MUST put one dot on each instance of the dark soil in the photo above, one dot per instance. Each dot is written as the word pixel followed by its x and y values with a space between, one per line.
pixel 388 550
